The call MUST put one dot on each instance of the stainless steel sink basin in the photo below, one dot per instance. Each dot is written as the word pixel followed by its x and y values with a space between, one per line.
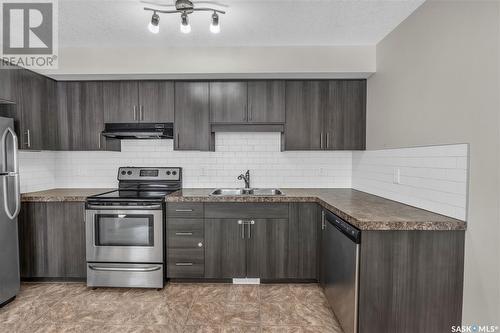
pixel 244 191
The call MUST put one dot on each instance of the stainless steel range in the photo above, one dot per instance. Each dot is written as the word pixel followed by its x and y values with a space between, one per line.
pixel 125 229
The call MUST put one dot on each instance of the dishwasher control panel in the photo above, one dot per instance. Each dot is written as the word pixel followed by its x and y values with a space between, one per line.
pixel 353 233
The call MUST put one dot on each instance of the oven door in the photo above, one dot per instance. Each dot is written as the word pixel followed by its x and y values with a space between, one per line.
pixel 123 235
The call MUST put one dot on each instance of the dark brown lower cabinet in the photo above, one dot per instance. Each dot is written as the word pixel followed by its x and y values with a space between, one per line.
pixel 410 281
pixel 52 240
pixel 225 249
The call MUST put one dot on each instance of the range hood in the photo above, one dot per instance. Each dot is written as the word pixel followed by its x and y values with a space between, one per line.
pixel 139 130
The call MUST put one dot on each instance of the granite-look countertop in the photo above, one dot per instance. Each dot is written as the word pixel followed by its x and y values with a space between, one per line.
pixel 364 211
pixel 62 194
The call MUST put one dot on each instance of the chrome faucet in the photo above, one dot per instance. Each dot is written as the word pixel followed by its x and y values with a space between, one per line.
pixel 246 178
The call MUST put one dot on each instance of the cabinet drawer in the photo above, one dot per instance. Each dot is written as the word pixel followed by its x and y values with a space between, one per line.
pixel 185 209
pixel 185 239
pixel 184 224
pixel 246 210
pixel 185 263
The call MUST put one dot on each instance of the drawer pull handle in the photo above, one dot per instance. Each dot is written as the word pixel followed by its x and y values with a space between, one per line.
pixel 183 264
pixel 183 210
pixel 184 234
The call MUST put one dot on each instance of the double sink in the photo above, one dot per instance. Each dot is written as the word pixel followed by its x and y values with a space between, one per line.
pixel 246 191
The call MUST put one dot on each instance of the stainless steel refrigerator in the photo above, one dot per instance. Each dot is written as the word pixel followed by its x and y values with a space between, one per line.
pixel 10 205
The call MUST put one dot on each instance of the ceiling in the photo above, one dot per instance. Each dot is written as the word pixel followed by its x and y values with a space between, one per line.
pixel 123 23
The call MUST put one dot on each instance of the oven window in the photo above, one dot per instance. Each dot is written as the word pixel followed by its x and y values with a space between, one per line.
pixel 124 230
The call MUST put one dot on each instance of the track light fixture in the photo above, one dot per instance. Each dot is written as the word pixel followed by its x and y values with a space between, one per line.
pixel 154 24
pixel 185 7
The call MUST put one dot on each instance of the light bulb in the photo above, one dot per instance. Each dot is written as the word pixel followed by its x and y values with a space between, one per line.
pixel 154 25
pixel 185 27
pixel 215 25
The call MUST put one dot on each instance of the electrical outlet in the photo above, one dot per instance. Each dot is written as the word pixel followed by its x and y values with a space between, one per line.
pixel 397 176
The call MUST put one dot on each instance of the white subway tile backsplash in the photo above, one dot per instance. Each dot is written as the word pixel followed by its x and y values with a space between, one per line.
pixel 432 178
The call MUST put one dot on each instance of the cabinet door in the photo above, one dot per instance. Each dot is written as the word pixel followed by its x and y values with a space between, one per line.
pixel 7 82
pixel 225 249
pixel 50 117
pixel 121 101
pixel 81 114
pixel 228 102
pixel 156 101
pixel 30 104
pixel 266 101
pixel 191 127
pixel 52 240
pixel 267 252
pixel 305 102
pixel 345 117
pixel 304 228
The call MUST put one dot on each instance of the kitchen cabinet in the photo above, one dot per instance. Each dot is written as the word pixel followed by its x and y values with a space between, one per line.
pixel 138 101
pixel 52 241
pixel 266 101
pixel 246 240
pixel 225 248
pixel 120 101
pixel 31 105
pixel 185 240
pixel 81 116
pixel 305 102
pixel 228 102
pixel 345 116
pixel 303 240
pixel 7 82
pixel 191 126
pixel 325 115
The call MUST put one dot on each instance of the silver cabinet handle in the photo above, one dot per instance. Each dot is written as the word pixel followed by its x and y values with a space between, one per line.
pixel 125 269
pixel 99 140
pixel 141 112
pixel 28 138
pixel 321 140
pixel 177 140
pixel 240 222
pixel 323 225
pixel 184 234
pixel 250 228
pixel 135 112
pixel 183 210
pixel 183 264
pixel 200 244
pixel 327 139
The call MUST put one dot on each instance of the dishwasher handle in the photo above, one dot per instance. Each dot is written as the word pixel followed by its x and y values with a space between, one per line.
pixel 351 232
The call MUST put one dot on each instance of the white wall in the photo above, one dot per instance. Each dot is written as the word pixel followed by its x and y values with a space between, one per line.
pixel 437 82
pixel 433 178
pixel 235 153
pixel 221 62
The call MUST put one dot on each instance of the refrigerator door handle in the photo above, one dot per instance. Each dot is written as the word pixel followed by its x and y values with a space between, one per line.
pixel 11 173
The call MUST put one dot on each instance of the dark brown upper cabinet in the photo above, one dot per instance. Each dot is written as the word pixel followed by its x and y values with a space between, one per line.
pixel 228 102
pixel 266 101
pixel 325 115
pixel 31 104
pixel 81 116
pixel 138 101
pixel 305 102
pixel 7 83
pixel 191 126
pixel 345 117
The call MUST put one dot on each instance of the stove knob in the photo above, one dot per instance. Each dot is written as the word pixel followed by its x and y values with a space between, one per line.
pixel 174 173
pixel 129 172
pixel 123 172
pixel 168 173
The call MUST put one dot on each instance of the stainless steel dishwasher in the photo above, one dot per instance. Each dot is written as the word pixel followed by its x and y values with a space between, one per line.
pixel 340 243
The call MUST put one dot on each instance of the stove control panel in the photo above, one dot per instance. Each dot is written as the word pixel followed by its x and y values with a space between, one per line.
pixel 147 173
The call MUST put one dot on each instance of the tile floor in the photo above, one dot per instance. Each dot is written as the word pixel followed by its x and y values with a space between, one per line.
pixel 214 308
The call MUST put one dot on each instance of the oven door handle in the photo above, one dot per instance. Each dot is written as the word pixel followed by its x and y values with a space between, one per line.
pixel 125 269
pixel 90 206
